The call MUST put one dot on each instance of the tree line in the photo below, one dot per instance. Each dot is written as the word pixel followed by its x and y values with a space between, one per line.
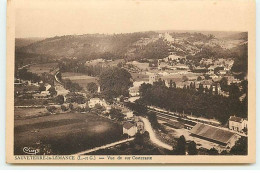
pixel 192 101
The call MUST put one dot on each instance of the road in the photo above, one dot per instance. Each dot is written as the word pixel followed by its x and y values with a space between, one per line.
pixel 58 85
pixel 104 146
pixel 153 138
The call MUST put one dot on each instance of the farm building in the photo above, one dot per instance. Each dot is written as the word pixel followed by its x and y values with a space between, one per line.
pixel 129 128
pixel 214 134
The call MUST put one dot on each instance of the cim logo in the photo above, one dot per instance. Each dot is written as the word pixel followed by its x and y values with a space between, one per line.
pixel 29 150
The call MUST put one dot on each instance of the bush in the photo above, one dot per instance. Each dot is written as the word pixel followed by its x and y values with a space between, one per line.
pixel 51 109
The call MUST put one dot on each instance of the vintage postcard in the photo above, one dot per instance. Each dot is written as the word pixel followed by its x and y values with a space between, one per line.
pixel 130 81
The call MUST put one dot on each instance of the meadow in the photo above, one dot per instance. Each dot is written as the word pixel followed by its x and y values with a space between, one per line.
pixel 64 134
pixel 42 68
pixel 79 78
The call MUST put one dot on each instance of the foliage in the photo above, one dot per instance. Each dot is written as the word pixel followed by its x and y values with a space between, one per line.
pixel 116 114
pixel 92 87
pixel 52 91
pixel 241 61
pixel 153 50
pixel 181 146
pixel 59 99
pixel 240 148
pixel 213 151
pixel 139 139
pixel 208 105
pixel 153 120
pixel 64 108
pixel 42 88
pixel 99 108
pixel 138 108
pixel 71 86
pixel 185 78
pixel 115 82
pixel 192 149
pixel 73 97
pixel 51 109
pixel 25 75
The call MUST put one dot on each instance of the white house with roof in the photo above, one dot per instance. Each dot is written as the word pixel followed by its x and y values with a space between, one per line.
pixel 237 123
pixel 129 128
pixel 129 114
pixel 47 86
pixel 93 101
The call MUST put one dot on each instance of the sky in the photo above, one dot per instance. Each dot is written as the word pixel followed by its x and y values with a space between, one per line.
pixel 45 18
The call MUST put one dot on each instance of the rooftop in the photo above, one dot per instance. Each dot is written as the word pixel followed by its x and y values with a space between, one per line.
pixel 128 125
pixel 212 133
pixel 236 119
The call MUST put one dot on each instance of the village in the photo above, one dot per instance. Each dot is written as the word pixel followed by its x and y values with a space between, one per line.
pixel 52 95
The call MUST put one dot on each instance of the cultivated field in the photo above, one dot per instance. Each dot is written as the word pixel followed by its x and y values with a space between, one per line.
pixel 41 68
pixel 79 78
pixel 65 133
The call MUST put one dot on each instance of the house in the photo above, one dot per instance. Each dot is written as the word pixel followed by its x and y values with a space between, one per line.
pixel 93 101
pixel 128 113
pixel 213 134
pixel 47 86
pixel 42 95
pixel 211 69
pixel 153 78
pixel 222 72
pixel 237 124
pixel 134 90
pixel 129 128
pixel 173 57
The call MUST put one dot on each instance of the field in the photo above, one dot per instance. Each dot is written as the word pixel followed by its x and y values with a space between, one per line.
pixel 64 133
pixel 29 102
pixel 21 113
pixel 79 78
pixel 41 68
pixel 139 77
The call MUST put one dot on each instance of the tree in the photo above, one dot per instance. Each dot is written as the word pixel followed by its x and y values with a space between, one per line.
pixel 153 120
pixel 51 109
pixel 64 108
pixel 92 87
pixel 171 84
pixel 52 91
pixel 60 99
pixel 181 146
pixel 185 78
pixel 240 147
pixel 201 88
pixel 42 88
pixel 192 150
pixel 75 98
pixel 224 84
pixel 199 78
pixel 139 139
pixel 213 151
pixel 115 82
pixel 117 114
pixel 71 106
pixel 99 108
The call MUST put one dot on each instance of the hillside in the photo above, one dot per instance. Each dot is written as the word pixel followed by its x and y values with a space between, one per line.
pixel 21 42
pixel 85 46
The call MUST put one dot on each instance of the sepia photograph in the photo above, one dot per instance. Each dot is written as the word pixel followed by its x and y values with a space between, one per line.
pixel 131 81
